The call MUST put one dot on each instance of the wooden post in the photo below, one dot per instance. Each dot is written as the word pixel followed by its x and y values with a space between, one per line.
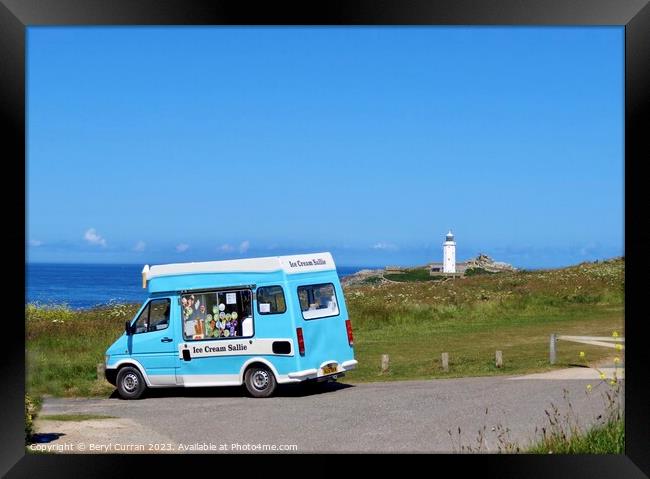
pixel 100 370
pixel 498 357
pixel 445 362
pixel 552 349
pixel 384 363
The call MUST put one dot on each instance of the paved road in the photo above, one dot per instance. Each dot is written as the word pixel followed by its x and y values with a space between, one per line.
pixel 405 416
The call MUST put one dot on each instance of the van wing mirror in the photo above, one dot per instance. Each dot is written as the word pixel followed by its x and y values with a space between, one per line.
pixel 127 328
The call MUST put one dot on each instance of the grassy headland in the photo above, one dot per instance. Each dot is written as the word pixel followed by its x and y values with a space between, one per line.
pixel 472 317
pixel 413 322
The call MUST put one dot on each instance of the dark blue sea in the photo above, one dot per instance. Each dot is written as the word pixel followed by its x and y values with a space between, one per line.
pixel 82 286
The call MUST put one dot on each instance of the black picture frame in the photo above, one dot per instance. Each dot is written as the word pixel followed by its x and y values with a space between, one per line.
pixel 17 15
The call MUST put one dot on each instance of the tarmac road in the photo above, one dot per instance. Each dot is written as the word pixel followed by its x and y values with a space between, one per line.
pixel 404 416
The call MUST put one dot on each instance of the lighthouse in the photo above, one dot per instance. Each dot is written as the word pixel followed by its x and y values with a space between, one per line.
pixel 449 254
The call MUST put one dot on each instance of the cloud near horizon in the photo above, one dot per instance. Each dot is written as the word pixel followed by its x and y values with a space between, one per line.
pixel 35 243
pixel 227 248
pixel 92 237
pixel 244 246
pixel 384 245
pixel 182 247
pixel 140 246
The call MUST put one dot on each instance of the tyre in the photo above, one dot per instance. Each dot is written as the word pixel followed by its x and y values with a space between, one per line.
pixel 260 381
pixel 130 383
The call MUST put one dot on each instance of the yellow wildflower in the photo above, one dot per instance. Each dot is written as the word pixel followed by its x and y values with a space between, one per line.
pixel 582 354
pixel 602 375
pixel 615 334
pixel 619 347
pixel 617 360
pixel 588 387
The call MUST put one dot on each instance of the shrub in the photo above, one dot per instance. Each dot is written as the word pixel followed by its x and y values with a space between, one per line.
pixel 477 271
pixel 31 410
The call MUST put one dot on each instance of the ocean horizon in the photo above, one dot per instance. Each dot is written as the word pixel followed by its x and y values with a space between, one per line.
pixel 88 285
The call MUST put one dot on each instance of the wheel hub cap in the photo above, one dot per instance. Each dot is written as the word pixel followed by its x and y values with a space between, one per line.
pixel 260 379
pixel 130 382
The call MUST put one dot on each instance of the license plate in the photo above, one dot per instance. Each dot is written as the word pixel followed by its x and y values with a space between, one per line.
pixel 329 369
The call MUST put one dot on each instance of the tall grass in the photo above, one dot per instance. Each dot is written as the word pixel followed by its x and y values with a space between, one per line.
pixel 564 434
pixel 64 346
pixel 604 439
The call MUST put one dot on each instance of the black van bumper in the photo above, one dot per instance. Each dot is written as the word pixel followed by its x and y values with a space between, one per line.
pixel 111 376
pixel 329 377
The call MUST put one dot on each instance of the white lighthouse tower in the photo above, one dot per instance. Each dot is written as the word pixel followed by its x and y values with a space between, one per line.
pixel 449 254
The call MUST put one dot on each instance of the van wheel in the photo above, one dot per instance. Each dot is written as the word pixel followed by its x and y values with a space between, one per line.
pixel 130 383
pixel 260 381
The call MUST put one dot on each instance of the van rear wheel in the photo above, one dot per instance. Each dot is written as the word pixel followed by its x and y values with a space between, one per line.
pixel 260 381
pixel 130 383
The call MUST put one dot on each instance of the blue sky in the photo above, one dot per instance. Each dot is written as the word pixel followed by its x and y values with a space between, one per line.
pixel 150 145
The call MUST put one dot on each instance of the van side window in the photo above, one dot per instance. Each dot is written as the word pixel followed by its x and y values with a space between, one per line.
pixel 318 301
pixel 270 300
pixel 217 314
pixel 154 317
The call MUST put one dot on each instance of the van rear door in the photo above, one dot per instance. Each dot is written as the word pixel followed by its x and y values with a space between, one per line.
pixel 323 318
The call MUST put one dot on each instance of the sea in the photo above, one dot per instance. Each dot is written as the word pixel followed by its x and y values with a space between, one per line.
pixel 84 286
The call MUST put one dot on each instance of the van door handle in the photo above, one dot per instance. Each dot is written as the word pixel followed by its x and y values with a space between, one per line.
pixel 166 340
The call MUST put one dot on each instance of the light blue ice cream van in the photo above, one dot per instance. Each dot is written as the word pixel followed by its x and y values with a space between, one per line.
pixel 258 322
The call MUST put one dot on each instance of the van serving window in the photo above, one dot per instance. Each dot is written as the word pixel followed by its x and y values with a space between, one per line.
pixel 270 300
pixel 318 301
pixel 218 314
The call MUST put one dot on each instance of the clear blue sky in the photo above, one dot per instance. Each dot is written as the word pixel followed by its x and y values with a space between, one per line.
pixel 149 145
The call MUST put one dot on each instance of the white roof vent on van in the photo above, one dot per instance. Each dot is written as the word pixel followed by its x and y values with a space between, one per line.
pixel 145 273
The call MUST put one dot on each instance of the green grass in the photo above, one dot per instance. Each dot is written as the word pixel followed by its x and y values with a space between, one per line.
pixel 415 347
pixel 64 347
pixel 477 271
pixel 604 439
pixel 372 280
pixel 74 417
pixel 413 321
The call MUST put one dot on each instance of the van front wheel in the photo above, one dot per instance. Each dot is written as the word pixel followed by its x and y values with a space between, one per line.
pixel 130 383
pixel 260 381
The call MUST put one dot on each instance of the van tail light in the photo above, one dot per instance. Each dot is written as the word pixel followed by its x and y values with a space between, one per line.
pixel 348 328
pixel 301 342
